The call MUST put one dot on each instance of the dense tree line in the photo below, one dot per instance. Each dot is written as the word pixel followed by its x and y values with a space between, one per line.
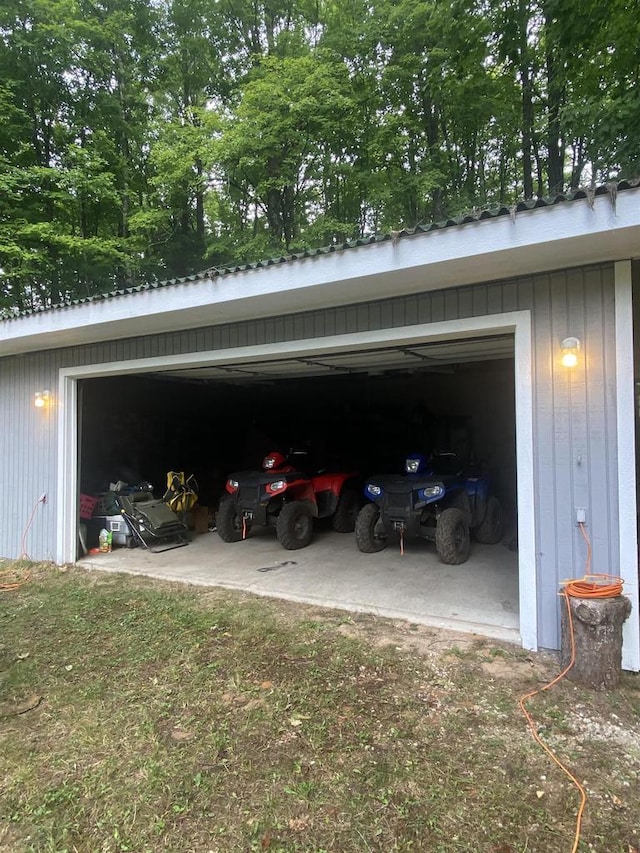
pixel 147 139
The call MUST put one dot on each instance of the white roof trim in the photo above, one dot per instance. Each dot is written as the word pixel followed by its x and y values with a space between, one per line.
pixel 567 234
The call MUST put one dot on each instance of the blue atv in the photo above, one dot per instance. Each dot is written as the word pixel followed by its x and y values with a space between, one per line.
pixel 435 499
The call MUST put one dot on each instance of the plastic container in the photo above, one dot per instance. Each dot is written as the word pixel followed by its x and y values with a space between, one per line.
pixel 105 541
pixel 87 506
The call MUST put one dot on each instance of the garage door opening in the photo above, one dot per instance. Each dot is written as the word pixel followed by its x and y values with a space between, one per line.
pixel 370 405
pixel 360 412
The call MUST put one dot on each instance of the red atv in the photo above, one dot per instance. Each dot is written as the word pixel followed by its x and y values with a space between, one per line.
pixel 286 496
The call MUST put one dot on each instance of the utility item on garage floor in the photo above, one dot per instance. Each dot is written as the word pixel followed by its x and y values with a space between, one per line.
pixel 153 524
pixel 120 531
pixel 181 494
pixel 87 505
pixel 198 519
pixel 105 541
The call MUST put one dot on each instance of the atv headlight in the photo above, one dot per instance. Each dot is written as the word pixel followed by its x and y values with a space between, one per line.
pixel 276 487
pixel 232 485
pixel 373 491
pixel 411 465
pixel 431 492
pixel 273 461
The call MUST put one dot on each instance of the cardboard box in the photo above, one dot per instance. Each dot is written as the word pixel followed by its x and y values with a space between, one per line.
pixel 198 519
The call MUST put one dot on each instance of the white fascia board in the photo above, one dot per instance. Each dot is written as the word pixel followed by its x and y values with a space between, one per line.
pixel 564 235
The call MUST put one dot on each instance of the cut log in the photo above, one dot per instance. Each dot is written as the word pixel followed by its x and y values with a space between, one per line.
pixel 597 631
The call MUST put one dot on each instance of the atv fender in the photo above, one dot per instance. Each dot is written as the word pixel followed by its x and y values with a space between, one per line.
pixel 333 482
pixel 462 502
pixel 303 491
pixel 309 504
pixel 477 493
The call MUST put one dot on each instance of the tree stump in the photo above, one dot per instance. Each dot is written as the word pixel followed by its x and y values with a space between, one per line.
pixel 597 632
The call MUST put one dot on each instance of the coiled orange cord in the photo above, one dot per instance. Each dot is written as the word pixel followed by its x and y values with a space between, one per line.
pixel 13 580
pixel 590 586
pixel 594 586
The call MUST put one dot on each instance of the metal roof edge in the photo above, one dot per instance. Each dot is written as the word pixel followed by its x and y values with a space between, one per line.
pixel 584 193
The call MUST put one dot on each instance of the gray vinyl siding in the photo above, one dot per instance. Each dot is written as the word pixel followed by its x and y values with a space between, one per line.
pixel 574 411
pixel 27 457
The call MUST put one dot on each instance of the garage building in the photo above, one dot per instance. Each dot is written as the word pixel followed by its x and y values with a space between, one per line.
pixel 445 336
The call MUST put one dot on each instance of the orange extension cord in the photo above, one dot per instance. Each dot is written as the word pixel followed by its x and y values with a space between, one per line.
pixel 590 586
pixel 12 579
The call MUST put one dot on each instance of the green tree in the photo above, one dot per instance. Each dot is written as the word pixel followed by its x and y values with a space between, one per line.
pixel 150 139
pixel 274 150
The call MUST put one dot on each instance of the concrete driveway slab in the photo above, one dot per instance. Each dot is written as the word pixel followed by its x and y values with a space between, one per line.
pixel 480 596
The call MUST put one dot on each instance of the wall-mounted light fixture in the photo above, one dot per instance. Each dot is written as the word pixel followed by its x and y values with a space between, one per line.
pixel 570 348
pixel 41 399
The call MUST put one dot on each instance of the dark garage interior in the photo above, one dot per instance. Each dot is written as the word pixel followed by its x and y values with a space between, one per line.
pixel 360 411
pixel 211 422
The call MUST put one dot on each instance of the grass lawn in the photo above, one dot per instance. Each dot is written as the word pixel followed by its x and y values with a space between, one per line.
pixel 138 715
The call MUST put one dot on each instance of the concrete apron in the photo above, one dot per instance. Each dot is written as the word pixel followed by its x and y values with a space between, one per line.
pixel 479 597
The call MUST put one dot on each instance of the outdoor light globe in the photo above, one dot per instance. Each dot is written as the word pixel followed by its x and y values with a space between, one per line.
pixel 569 348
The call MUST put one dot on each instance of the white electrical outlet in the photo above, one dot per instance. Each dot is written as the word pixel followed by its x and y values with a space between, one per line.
pixel 581 515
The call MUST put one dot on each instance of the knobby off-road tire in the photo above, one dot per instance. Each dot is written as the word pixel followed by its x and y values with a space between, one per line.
pixel 294 527
pixel 491 531
pixel 452 537
pixel 370 533
pixel 344 518
pixel 228 522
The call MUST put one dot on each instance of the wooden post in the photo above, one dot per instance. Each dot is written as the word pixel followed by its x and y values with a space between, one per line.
pixel 597 632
